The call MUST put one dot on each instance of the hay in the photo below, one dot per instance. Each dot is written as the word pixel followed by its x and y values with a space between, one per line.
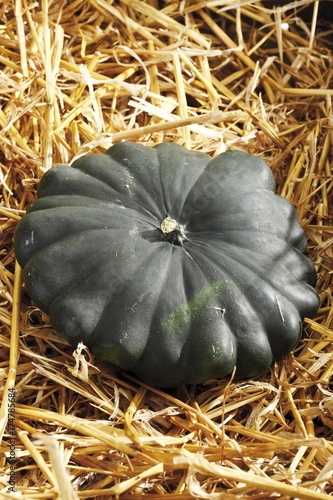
pixel 78 76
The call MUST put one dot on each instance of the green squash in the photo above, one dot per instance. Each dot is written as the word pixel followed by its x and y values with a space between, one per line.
pixel 168 263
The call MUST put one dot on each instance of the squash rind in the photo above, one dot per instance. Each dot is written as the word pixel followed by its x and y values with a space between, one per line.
pixel 233 293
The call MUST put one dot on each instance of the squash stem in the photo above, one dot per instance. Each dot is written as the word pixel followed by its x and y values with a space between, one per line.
pixel 172 231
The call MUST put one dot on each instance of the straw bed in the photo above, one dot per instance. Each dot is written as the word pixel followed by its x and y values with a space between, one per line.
pixel 76 77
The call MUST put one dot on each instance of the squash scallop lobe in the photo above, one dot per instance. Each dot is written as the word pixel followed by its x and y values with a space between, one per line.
pixel 167 263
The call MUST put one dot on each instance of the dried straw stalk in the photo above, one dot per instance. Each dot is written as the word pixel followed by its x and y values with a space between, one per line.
pixel 78 76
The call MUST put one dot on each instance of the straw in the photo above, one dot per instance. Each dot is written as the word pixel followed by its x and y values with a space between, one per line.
pixel 77 77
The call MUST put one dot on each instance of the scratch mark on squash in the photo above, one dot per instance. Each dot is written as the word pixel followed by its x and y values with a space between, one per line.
pixel 280 308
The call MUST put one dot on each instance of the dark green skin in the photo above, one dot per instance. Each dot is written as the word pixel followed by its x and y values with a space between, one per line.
pixel 230 287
